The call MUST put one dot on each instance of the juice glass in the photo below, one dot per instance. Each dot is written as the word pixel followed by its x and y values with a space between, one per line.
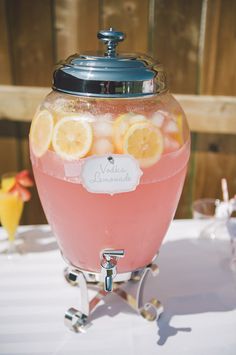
pixel 11 208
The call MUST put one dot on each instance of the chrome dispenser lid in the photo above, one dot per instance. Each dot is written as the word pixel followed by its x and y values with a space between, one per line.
pixel 110 74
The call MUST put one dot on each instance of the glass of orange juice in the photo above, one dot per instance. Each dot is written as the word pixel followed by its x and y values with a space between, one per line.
pixel 11 208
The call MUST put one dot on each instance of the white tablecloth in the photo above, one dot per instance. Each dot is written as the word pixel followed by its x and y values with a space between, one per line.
pixel 195 285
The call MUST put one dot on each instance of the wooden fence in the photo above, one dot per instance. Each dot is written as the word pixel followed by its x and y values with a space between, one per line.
pixel 195 39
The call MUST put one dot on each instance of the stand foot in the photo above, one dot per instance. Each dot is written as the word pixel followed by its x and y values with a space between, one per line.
pixel 75 320
pixel 152 310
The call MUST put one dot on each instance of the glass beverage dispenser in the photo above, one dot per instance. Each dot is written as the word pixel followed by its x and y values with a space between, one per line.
pixel 109 148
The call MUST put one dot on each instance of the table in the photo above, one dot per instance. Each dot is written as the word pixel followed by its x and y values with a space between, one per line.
pixel 195 285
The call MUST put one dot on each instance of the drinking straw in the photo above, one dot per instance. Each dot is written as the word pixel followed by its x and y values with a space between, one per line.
pixel 225 191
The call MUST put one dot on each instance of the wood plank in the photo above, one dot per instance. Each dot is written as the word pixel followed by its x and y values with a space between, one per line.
pixel 176 41
pixel 210 44
pixel 31 37
pixel 205 113
pixel 5 58
pixel 8 156
pixel 218 72
pixel 131 17
pixel 215 159
pixel 25 99
pixel 212 114
pixel 76 26
pixel 225 74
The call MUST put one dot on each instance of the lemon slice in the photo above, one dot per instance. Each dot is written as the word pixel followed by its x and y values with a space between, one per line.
pixel 144 142
pixel 41 132
pixel 122 124
pixel 72 138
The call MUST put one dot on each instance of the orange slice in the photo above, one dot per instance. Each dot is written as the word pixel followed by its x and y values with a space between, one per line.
pixel 174 129
pixel 8 183
pixel 72 137
pixel 41 132
pixel 144 142
pixel 179 135
pixel 121 125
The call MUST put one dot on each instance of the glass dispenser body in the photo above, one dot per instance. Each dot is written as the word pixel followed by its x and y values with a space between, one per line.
pixel 109 170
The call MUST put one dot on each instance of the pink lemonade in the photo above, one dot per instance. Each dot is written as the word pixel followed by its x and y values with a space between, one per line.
pixel 86 223
pixel 151 134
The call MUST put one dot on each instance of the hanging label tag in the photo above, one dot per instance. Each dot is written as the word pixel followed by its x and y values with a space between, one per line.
pixel 110 174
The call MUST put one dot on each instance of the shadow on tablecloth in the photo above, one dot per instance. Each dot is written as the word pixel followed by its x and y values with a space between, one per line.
pixel 36 240
pixel 194 278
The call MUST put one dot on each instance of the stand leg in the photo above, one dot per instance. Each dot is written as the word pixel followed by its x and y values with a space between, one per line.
pixel 150 310
pixel 74 319
pixel 78 320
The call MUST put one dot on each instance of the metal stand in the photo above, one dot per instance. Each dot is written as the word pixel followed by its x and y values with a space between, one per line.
pixel 78 320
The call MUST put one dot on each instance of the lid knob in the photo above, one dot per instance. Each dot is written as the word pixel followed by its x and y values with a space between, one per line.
pixel 111 38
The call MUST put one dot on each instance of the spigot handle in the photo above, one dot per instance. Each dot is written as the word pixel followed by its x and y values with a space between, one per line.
pixel 117 253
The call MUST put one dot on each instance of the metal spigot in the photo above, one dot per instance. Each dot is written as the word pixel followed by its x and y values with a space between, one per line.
pixel 109 260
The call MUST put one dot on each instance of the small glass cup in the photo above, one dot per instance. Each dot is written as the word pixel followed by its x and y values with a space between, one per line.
pixel 231 227
pixel 206 209
pixel 11 208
